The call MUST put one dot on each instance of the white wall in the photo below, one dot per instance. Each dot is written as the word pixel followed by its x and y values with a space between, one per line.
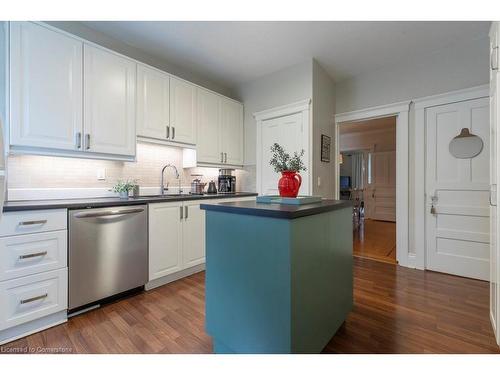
pixel 323 111
pixel 283 87
pixel 457 67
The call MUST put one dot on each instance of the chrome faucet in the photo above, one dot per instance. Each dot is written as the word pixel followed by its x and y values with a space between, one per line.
pixel 177 176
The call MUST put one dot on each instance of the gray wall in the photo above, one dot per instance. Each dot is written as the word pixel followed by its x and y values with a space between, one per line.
pixel 457 67
pixel 323 111
pixel 283 87
pixel 104 40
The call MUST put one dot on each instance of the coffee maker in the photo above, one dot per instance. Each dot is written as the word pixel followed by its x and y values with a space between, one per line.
pixel 227 182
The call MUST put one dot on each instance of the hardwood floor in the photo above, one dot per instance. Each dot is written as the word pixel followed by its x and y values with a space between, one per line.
pixel 396 310
pixel 375 240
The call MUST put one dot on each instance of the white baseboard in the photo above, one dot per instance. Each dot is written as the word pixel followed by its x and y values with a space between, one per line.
pixel 174 276
pixel 26 329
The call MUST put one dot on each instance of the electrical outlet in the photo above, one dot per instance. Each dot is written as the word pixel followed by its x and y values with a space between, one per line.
pixel 101 174
pixel 319 181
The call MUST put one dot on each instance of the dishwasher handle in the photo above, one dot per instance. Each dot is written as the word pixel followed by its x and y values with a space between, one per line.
pixel 82 215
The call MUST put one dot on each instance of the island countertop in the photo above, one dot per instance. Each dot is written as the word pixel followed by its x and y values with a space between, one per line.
pixel 280 211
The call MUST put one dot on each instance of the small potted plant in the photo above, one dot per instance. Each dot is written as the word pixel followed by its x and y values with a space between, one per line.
pixel 288 166
pixel 123 187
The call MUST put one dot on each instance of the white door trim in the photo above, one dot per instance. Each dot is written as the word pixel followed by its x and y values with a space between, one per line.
pixel 303 107
pixel 419 156
pixel 400 110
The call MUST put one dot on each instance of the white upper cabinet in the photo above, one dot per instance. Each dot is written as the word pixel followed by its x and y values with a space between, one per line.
pixel 153 102
pixel 182 111
pixel 220 130
pixel 232 131
pixel 45 88
pixel 109 102
pixel 208 148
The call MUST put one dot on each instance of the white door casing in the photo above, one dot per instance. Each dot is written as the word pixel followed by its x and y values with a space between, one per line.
pixel 289 126
pixel 380 195
pixel 494 142
pixel 153 102
pixel 182 111
pixel 109 102
pixel 457 233
pixel 45 87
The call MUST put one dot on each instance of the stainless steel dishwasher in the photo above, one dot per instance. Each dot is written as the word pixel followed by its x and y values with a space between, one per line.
pixel 108 252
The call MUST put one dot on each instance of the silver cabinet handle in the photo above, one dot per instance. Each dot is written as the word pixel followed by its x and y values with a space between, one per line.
pixel 225 157
pixel 78 140
pixel 33 299
pixel 32 222
pixel 489 197
pixel 81 215
pixel 168 131
pixel 33 255
pixel 222 157
pixel 494 55
pixel 87 141
pixel 173 132
pixel 186 212
pixel 181 212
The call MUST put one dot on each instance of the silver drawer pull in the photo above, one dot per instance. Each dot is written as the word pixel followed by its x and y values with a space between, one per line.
pixel 33 299
pixel 33 255
pixel 33 222
pixel 109 213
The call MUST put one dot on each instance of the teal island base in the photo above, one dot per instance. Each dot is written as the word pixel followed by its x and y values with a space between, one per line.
pixel 277 283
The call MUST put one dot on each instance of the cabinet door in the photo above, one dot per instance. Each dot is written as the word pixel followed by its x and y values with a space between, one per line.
pixel 232 131
pixel 165 239
pixel 109 102
pixel 182 111
pixel 208 149
pixel 46 87
pixel 153 102
pixel 193 234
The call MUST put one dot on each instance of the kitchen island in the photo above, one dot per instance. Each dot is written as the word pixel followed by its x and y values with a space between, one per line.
pixel 278 277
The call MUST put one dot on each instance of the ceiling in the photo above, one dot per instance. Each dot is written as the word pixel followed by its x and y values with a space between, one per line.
pixel 231 53
pixel 386 123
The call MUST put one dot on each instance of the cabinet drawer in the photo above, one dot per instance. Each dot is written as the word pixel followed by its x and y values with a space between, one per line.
pixel 32 253
pixel 32 297
pixel 24 222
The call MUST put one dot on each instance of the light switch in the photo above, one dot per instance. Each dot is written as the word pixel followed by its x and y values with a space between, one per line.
pixel 101 174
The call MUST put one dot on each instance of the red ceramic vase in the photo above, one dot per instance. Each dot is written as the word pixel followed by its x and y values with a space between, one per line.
pixel 289 184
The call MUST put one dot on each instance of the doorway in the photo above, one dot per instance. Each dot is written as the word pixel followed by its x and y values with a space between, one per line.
pixel 368 178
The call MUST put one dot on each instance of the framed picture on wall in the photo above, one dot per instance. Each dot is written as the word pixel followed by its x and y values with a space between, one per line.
pixel 326 142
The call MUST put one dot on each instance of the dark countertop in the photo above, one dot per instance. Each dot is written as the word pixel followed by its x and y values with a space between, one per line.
pixel 280 211
pixel 46 204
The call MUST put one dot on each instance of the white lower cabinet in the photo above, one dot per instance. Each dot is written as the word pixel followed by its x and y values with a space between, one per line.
pixel 177 239
pixel 33 272
pixel 165 239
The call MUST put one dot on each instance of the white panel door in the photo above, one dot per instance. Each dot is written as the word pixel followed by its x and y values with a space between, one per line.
pixel 288 132
pixel 208 145
pixel 165 239
pixel 458 228
pixel 46 88
pixel 232 131
pixel 193 234
pixel 380 196
pixel 109 102
pixel 182 111
pixel 153 102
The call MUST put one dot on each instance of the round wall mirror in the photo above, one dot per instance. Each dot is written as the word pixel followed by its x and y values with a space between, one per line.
pixel 466 145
